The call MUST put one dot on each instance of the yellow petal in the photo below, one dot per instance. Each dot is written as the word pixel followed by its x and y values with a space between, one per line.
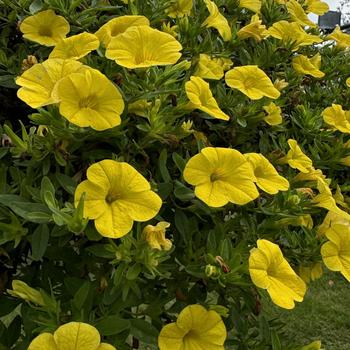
pixel 251 81
pixel 180 8
pixel 253 5
pixel 77 336
pixel 337 117
pixel 142 46
pixel 198 92
pixel 298 14
pixel 208 68
pixel 274 114
pixel 171 337
pixel 302 64
pixel 105 346
pixel 75 47
pixel 118 26
pixel 44 341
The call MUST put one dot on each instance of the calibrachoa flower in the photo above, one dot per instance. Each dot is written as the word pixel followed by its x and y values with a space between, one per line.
pixel 116 195
pixel 45 28
pixel 298 14
pixel 198 92
pixel 251 81
pixel 217 20
pixel 337 117
pixel 73 335
pixel 296 159
pixel 310 273
pixel 143 46
pixel 76 46
pixel 195 328
pixel 310 66
pixel 274 114
pixel 253 5
pixel 317 7
pixel 118 26
pixel 180 8
pixel 315 345
pixel 254 30
pixel 90 99
pixel 155 236
pixel 209 68
pixel 221 175
pixel 271 271
pixel 342 39
pixel 39 83
pixel 267 177
pixel 336 252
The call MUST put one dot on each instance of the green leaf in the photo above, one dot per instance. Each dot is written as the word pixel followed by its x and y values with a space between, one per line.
pixel 66 182
pixel 40 240
pixel 144 331
pixel 162 165
pixel 182 192
pixel 46 186
pixel 179 161
pixel 112 325
pixel 133 272
pixel 81 295
pixel 102 251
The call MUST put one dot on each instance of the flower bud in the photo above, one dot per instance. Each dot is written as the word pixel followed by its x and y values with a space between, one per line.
pixel 212 271
pixel 155 236
pixel 23 291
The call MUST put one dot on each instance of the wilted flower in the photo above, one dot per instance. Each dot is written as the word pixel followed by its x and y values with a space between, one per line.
pixel 155 236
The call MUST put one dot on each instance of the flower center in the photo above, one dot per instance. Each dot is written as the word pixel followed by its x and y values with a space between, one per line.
pixel 250 83
pixel 217 174
pixel 45 31
pixel 112 197
pixel 190 337
pixel 88 102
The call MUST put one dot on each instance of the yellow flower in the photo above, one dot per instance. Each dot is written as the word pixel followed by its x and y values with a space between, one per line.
pixel 251 81
pixel 280 84
pixel 267 177
pixel 180 8
pixel 226 63
pixel 73 335
pixel 116 194
pixel 143 46
pixel 90 99
pixel 76 46
pixel 339 198
pixel 45 28
pixel 198 92
pixel 168 28
pixel 195 328
pixel 296 159
pixel 337 117
pixel 254 30
pixel 347 82
pixel 21 290
pixel 274 114
pixel 209 68
pixel 315 345
pixel 331 219
pixel 155 236
pixel 311 66
pixel 342 39
pixel 302 220
pixel 310 273
pixel 253 5
pixel 217 20
pixel 118 26
pixel 298 14
pixel 270 270
pixel 312 175
pixel 221 175
pixel 291 32
pixel 336 252
pixel 39 83
pixel 317 7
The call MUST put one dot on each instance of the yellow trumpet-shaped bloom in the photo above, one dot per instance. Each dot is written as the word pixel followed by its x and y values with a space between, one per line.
pixel 310 273
pixel 90 99
pixel 76 46
pixel 336 252
pixel 342 39
pixel 251 81
pixel 267 177
pixel 143 46
pixel 254 30
pixel 274 114
pixel 180 8
pixel 45 28
pixel 271 271
pixel 337 117
pixel 296 158
pixel 198 92
pixel 155 236
pixel 116 195
pixel 39 83
pixel 70 336
pixel 317 7
pixel 211 68
pixel 195 328
pixel 253 5
pixel 292 32
pixel 217 20
pixel 298 14
pixel 310 66
pixel 118 26
pixel 221 175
